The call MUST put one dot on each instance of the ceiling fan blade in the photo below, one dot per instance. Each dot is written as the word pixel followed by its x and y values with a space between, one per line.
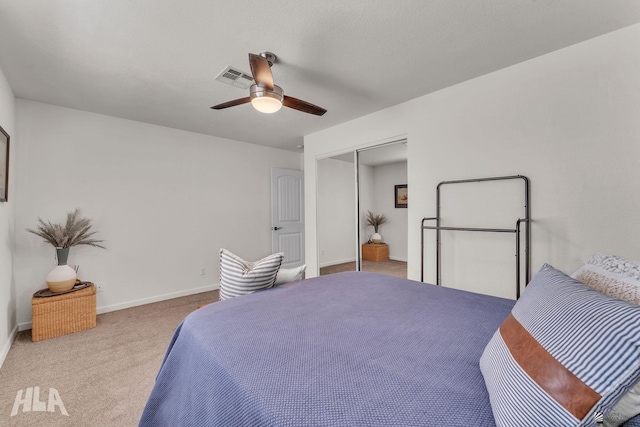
pixel 300 105
pixel 261 71
pixel 232 103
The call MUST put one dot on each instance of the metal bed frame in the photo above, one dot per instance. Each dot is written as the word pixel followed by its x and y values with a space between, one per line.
pixel 438 227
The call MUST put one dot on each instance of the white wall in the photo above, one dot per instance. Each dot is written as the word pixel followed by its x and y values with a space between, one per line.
pixel 394 232
pixel 568 120
pixel 336 212
pixel 8 327
pixel 164 200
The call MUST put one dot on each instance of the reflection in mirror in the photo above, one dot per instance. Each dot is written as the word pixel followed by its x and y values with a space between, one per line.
pixel 383 222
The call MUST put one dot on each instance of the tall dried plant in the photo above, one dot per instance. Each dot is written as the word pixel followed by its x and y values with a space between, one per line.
pixel 376 220
pixel 75 231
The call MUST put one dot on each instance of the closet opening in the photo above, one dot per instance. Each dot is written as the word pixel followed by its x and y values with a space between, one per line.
pixel 352 185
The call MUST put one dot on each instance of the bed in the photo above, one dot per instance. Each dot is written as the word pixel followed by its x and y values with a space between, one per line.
pixel 350 349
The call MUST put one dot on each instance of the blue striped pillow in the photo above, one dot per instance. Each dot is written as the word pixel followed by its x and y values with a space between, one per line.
pixel 240 277
pixel 565 354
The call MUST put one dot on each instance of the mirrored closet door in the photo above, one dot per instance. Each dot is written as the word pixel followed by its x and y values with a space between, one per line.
pixel 368 183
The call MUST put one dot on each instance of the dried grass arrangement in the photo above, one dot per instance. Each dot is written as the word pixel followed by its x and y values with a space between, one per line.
pixel 75 231
pixel 376 220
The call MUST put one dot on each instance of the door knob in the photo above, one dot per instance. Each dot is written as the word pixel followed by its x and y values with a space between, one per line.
pixel 276 228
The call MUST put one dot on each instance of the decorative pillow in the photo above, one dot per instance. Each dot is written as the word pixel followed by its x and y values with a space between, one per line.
pixel 611 275
pixel 618 277
pixel 240 277
pixel 287 275
pixel 565 355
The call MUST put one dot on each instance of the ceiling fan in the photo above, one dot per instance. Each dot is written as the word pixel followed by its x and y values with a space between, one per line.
pixel 264 95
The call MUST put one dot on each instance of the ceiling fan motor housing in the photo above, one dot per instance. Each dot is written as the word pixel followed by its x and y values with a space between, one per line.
pixel 270 57
pixel 257 91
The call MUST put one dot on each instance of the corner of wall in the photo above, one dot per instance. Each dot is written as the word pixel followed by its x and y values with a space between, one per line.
pixel 7 345
pixel 8 323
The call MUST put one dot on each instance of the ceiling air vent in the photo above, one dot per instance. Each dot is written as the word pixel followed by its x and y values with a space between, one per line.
pixel 234 77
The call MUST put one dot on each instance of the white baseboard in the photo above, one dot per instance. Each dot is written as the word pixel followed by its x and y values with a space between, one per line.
pixel 158 298
pixel 342 261
pixel 7 345
pixel 143 301
pixel 336 262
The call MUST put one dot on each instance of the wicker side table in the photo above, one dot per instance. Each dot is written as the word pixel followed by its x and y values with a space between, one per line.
pixel 375 252
pixel 63 314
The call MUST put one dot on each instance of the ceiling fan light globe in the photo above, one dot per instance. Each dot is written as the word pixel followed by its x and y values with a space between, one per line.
pixel 265 100
pixel 266 104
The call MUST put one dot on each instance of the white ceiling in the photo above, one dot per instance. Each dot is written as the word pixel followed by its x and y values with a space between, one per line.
pixel 155 61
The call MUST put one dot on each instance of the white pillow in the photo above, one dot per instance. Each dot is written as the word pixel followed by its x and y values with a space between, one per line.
pixel 611 275
pixel 287 275
pixel 240 277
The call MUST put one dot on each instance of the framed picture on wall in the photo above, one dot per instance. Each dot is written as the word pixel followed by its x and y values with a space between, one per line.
pixel 4 164
pixel 401 196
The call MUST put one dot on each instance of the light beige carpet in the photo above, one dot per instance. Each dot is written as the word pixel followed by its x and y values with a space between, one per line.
pixel 99 377
pixel 389 267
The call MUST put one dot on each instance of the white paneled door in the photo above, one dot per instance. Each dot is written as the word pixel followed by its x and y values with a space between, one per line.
pixel 287 217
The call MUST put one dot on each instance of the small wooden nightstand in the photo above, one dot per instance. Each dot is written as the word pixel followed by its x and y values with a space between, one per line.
pixel 375 252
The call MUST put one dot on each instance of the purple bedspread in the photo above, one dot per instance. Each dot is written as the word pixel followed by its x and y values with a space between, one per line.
pixel 350 349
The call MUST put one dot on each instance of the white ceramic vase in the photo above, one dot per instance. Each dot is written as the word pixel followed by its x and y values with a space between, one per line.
pixel 61 278
pixel 376 238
